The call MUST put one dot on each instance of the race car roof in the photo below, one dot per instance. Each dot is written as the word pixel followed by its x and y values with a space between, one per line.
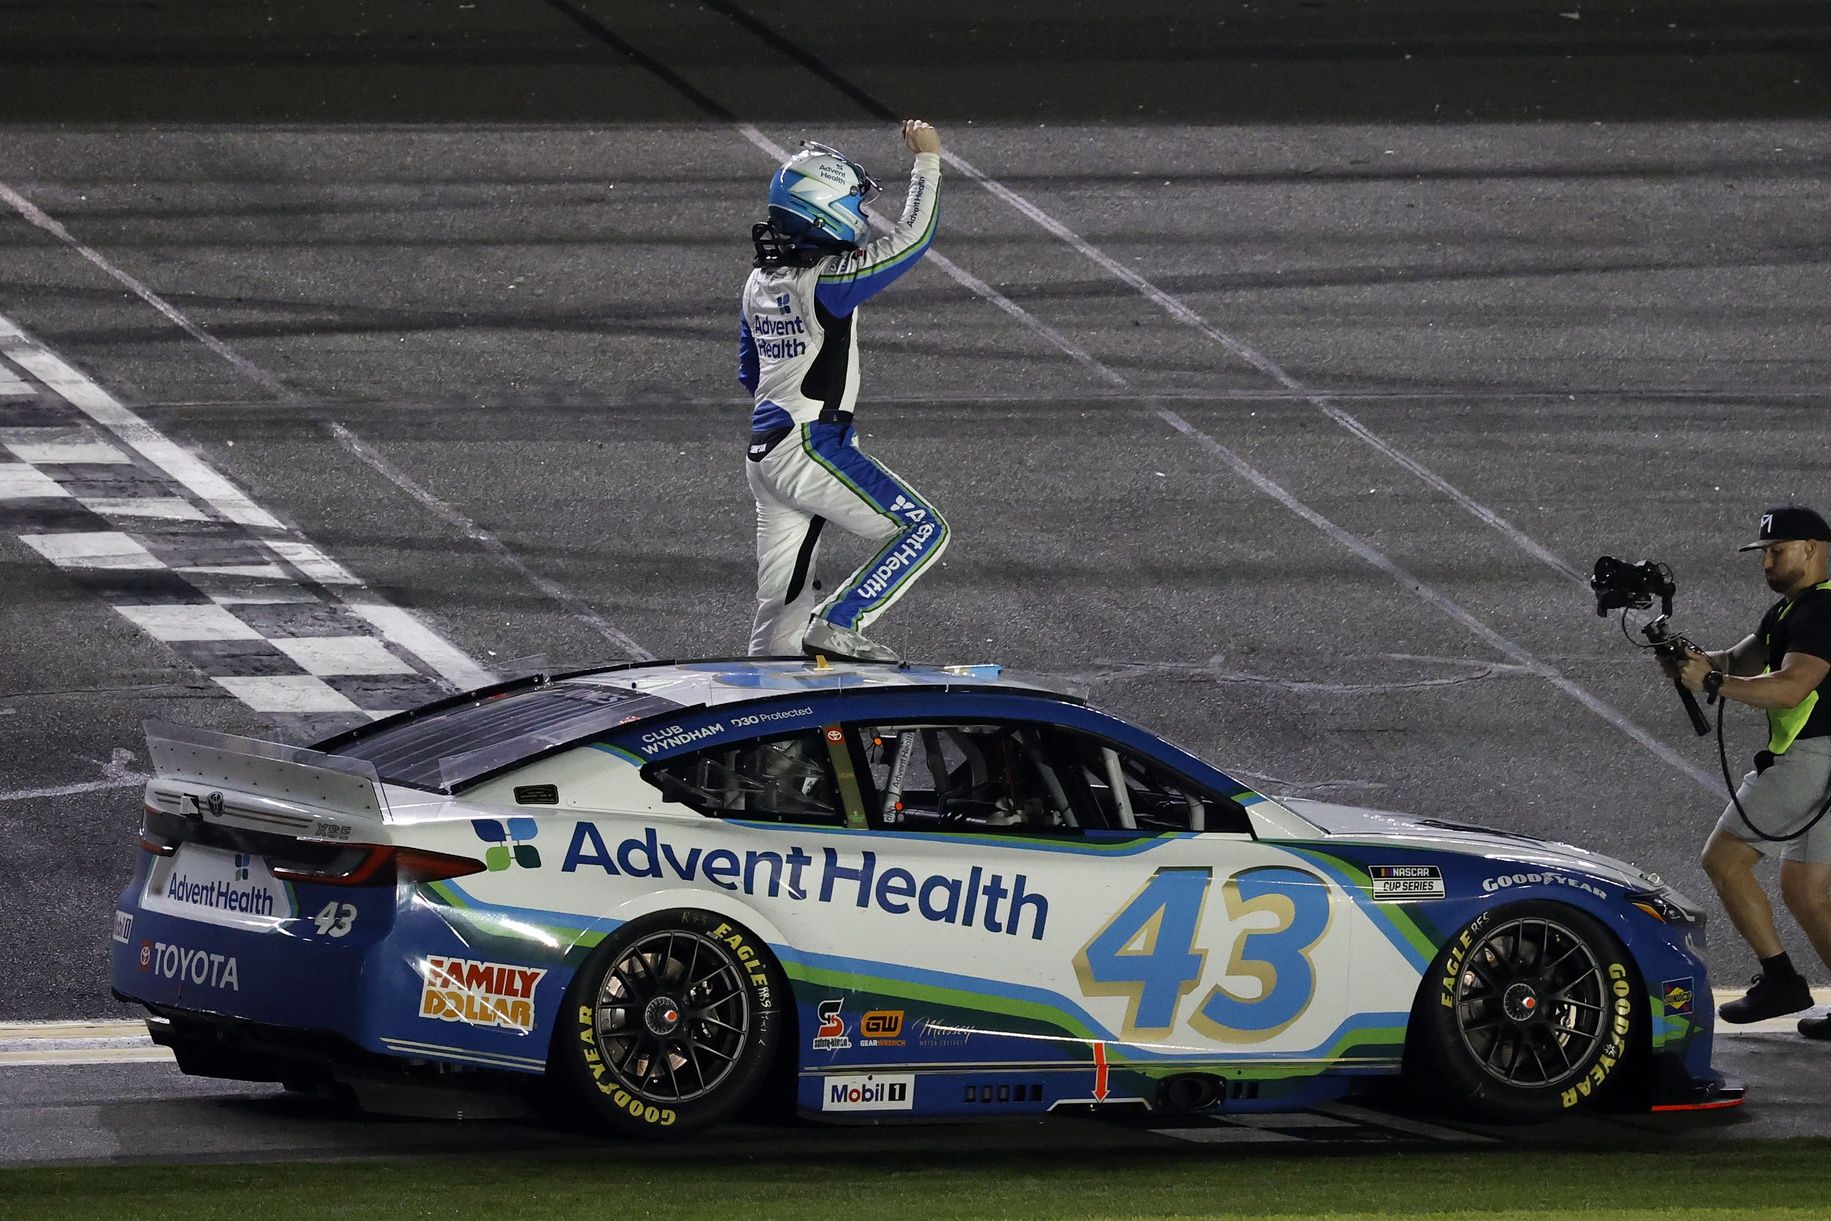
pixel 453 741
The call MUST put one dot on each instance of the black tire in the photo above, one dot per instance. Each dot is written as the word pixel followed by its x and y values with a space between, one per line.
pixel 1531 1012
pixel 671 1025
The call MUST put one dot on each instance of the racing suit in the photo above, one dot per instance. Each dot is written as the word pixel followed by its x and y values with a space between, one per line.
pixel 798 356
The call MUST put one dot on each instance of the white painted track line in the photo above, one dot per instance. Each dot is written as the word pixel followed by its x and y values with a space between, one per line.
pixel 389 625
pixel 19 481
pixel 93 549
pixel 100 406
pixel 102 550
pixel 1229 1133
pixel 11 387
pixel 1412 1127
pixel 1180 311
pixel 489 542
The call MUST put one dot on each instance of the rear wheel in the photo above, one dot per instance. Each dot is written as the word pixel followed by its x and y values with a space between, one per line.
pixel 672 1024
pixel 1530 1012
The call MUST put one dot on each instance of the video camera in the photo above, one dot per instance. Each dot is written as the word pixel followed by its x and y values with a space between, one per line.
pixel 1619 585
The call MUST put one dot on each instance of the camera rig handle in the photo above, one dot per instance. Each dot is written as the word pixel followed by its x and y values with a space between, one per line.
pixel 1672 647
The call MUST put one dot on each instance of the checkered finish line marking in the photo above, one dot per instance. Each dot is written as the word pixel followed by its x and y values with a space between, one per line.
pixel 190 560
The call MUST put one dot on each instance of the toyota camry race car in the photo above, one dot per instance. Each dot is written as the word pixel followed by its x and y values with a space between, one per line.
pixel 876 892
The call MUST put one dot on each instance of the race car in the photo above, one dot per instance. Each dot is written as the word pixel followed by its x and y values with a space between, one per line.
pixel 873 892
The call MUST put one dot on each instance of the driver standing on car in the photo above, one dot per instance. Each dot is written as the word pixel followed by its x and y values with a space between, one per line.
pixel 798 356
pixel 1785 670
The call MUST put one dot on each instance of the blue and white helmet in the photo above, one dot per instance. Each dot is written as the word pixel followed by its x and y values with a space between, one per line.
pixel 818 197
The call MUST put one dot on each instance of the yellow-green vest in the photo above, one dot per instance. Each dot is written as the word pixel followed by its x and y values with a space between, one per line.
pixel 1784 724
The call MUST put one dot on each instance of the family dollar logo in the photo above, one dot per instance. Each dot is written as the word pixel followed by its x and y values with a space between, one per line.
pixel 508 845
pixel 479 993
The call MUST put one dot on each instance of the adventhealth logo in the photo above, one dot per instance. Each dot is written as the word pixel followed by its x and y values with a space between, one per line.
pixel 777 337
pixel 221 894
pixel 983 898
pixel 508 845
pixel 916 547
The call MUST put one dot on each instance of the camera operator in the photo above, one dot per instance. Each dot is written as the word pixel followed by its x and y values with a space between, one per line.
pixel 1781 669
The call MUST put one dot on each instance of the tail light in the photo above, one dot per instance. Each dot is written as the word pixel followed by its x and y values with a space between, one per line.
pixel 370 865
pixel 150 839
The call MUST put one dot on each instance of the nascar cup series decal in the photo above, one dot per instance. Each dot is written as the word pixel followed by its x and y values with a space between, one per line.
pixel 1388 882
pixel 479 993
pixel 990 901
pixel 217 887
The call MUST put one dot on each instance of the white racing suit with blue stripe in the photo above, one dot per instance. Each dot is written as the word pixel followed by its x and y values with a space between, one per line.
pixel 798 356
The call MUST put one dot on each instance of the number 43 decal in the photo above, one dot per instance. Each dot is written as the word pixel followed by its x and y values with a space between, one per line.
pixel 336 919
pixel 1147 952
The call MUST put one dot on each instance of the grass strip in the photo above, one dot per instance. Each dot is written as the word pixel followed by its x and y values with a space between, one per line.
pixel 1787 1179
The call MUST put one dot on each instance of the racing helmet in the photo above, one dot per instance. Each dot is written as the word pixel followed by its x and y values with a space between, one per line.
pixel 818 197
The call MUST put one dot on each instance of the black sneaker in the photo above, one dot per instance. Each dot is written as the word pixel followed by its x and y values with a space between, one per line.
pixel 1816 1027
pixel 1767 998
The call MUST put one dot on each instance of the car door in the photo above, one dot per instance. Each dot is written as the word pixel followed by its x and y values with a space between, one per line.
pixel 1067 888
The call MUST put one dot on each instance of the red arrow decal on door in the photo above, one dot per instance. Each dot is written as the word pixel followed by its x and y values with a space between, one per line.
pixel 1099 1071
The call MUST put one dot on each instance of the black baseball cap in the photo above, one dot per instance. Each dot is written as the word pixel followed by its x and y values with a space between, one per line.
pixel 1788 522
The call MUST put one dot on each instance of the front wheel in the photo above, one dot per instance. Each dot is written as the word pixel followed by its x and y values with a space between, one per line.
pixel 672 1023
pixel 1531 1012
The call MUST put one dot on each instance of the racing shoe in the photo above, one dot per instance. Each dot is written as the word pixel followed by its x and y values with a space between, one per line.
pixel 829 640
pixel 1767 998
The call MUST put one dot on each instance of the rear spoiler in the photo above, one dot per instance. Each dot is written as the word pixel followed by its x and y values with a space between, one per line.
pixel 289 775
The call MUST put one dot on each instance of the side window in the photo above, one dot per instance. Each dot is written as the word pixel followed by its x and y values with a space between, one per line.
pixel 1132 792
pixel 777 780
pixel 965 777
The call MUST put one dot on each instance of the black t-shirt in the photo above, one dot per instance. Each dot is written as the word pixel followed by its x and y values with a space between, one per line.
pixel 1802 626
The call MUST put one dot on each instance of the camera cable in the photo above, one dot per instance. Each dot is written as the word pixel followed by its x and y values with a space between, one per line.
pixel 1736 799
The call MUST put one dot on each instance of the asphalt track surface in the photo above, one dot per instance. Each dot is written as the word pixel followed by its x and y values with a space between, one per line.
pixel 1281 374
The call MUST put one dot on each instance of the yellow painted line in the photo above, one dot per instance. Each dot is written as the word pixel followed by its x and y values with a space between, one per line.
pixel 38 1044
pixel 58 1056
pixel 11 1031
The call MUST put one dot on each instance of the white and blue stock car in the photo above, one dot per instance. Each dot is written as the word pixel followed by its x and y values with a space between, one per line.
pixel 890 891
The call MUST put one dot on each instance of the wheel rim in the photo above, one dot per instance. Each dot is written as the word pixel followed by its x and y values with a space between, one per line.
pixel 672 1016
pixel 1532 1003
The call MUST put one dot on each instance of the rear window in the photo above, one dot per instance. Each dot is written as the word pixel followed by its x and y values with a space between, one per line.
pixel 451 748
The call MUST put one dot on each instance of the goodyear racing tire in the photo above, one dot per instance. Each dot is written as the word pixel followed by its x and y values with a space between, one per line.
pixel 1532 1011
pixel 672 1024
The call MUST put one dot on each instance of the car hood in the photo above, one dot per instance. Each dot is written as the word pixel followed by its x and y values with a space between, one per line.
pixel 1469 839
